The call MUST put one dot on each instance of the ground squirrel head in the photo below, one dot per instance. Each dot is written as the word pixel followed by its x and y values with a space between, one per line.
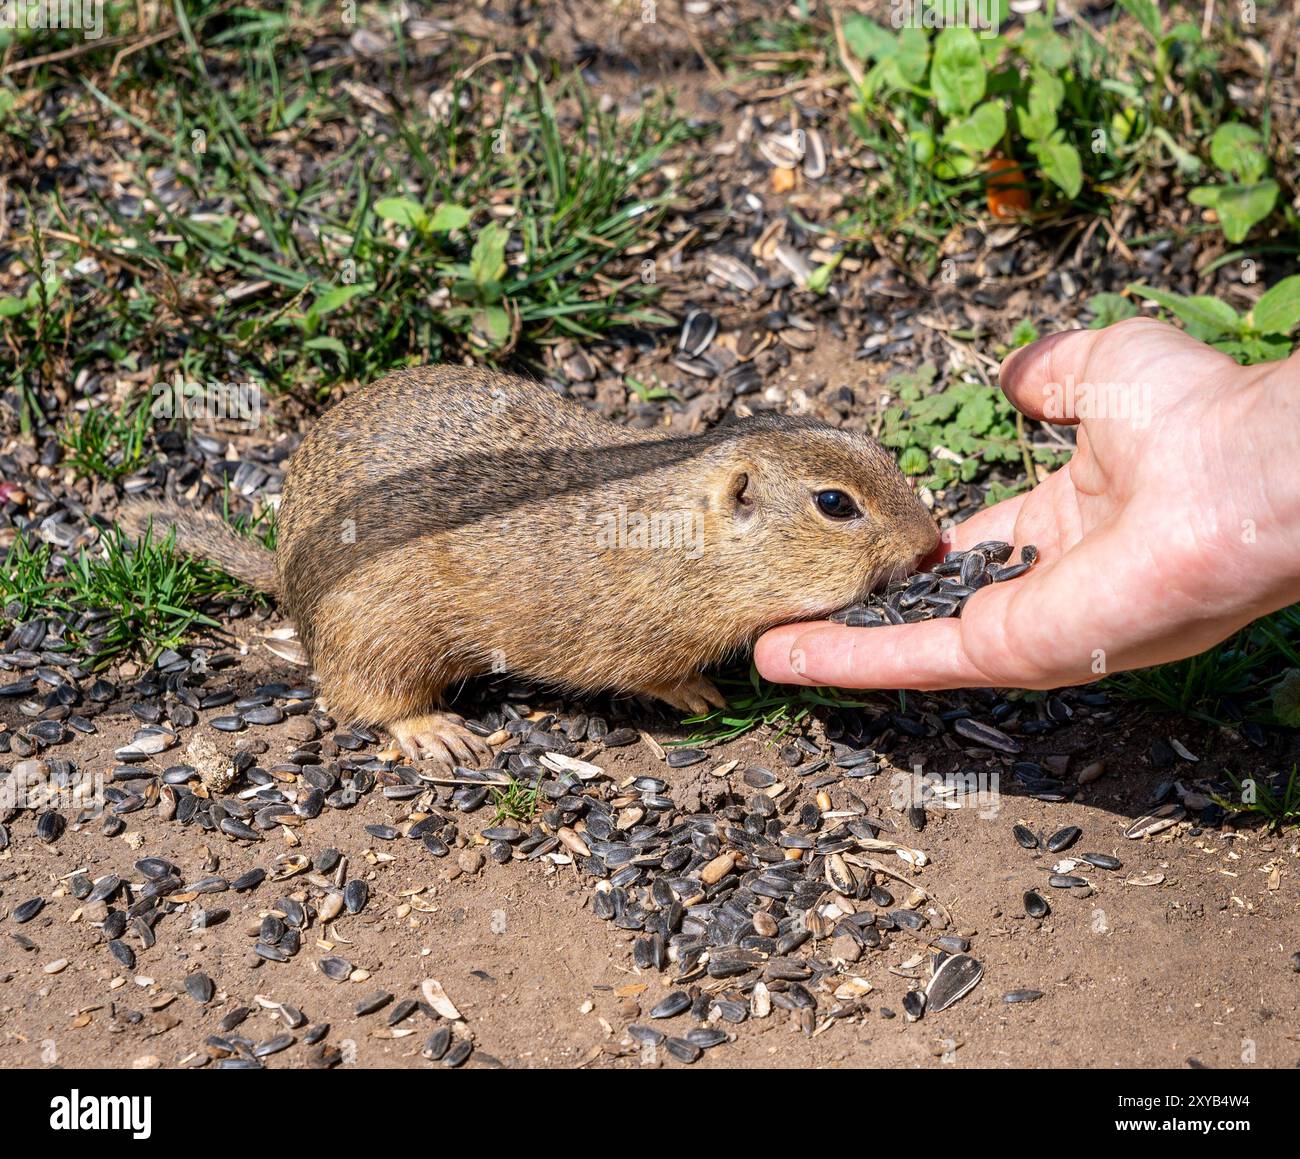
pixel 811 518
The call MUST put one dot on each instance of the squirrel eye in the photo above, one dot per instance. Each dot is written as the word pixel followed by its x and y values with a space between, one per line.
pixel 836 505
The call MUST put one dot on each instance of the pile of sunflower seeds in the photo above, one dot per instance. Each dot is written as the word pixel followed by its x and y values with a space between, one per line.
pixel 940 592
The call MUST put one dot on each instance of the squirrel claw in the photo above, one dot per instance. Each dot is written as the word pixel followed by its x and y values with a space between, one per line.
pixel 440 737
pixel 695 695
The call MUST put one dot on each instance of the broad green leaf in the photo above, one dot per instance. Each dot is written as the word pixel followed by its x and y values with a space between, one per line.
pixel 448 217
pixel 914 461
pixel 1040 44
pixel 1047 89
pixel 979 133
pixel 487 261
pixel 1060 163
pixel 954 166
pixel 957 73
pixel 1278 311
pixel 1242 207
pixel 913 56
pixel 866 39
pixel 921 142
pixel 491 326
pixel 1205 318
pixel 1239 150
pixel 1107 309
pixel 1038 118
pixel 403 211
pixel 1286 699
pixel 977 414
pixel 9 307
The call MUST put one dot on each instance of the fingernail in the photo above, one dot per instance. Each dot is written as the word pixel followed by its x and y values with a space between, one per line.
pixel 798 659
pixel 1038 346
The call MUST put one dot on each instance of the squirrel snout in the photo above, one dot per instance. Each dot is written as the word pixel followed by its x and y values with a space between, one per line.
pixel 924 537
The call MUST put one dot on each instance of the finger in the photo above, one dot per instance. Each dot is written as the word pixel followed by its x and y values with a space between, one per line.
pixel 1026 373
pixel 918 656
pixel 1077 374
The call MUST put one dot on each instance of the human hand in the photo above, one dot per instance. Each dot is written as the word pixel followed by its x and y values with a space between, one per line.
pixel 1176 523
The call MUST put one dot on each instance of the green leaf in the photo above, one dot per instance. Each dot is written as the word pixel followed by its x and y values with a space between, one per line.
pixel 327 342
pixel 1024 333
pixel 913 56
pixel 10 307
pixel 820 279
pixel 979 133
pixel 977 414
pixel 1205 318
pixel 487 261
pixel 402 210
pixel 957 73
pixel 866 39
pixel 1278 310
pixel 920 142
pixel 491 327
pixel 1060 163
pixel 954 166
pixel 1107 309
pixel 337 296
pixel 448 217
pixel 914 461
pixel 1040 44
pixel 1239 150
pixel 1242 207
pixel 1038 117
pixel 1286 699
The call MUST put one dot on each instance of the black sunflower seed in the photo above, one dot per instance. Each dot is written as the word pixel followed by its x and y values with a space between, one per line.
pixel 671 1006
pixel 355 895
pixel 1024 837
pixel 1063 838
pixel 28 910
pixel 1035 905
pixel 199 987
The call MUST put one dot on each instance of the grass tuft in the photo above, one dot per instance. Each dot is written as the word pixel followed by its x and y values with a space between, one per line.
pixel 142 599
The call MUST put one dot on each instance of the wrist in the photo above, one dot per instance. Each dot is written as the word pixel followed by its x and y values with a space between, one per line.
pixel 1267 448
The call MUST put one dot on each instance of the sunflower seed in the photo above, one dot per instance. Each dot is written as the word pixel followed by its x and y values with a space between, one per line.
pixel 1035 905
pixel 671 1006
pixel 1062 839
pixel 953 980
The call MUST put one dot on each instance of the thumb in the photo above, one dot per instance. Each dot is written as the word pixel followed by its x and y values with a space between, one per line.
pixel 1059 377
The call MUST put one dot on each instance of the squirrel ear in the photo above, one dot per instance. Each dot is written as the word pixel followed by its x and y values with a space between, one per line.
pixel 736 493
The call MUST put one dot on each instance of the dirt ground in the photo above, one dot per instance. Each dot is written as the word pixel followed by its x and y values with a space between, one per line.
pixel 1192 970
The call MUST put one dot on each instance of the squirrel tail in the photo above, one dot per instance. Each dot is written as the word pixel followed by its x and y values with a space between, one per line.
pixel 203 533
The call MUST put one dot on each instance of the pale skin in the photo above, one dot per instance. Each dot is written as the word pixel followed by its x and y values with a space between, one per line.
pixel 1162 536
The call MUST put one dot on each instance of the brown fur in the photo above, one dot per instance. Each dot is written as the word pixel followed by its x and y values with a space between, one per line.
pixel 199 533
pixel 446 522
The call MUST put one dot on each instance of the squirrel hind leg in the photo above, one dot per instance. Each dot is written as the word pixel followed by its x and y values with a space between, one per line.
pixel 410 711
pixel 695 694
pixel 441 738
